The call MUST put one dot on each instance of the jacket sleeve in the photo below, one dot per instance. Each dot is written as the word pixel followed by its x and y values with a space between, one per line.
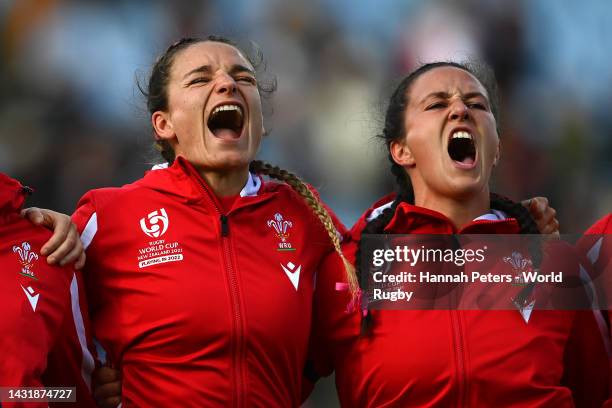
pixel 86 219
pixel 336 320
pixel 598 251
pixel 72 359
pixel 586 362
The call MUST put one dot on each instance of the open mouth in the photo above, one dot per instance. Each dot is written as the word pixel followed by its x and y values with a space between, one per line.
pixel 226 121
pixel 461 148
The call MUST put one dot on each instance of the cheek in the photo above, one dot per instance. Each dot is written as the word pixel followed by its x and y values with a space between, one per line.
pixel 421 145
pixel 256 115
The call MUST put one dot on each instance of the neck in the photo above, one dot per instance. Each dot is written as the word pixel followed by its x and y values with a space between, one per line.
pixel 461 211
pixel 224 183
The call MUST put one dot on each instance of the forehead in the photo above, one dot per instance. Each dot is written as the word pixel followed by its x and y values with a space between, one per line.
pixel 215 54
pixel 451 80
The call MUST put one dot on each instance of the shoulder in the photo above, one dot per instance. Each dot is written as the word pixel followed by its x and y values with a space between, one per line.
pixel 19 229
pixel 122 198
pixel 370 214
pixel 303 197
pixel 602 226
pixel 305 202
pixel 21 242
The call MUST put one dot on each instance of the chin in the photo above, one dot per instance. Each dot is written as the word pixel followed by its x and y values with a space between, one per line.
pixel 232 162
pixel 467 189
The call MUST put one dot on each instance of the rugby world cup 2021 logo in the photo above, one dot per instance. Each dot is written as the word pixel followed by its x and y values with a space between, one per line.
pixel 155 224
pixel 26 258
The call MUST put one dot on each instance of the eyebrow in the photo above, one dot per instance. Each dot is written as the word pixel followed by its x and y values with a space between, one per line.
pixel 446 95
pixel 206 69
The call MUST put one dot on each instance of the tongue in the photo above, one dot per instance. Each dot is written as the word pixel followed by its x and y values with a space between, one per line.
pixel 468 160
pixel 224 133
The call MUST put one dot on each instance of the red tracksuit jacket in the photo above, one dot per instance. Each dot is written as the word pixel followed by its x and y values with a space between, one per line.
pixel 598 251
pixel 196 306
pixel 450 358
pixel 42 331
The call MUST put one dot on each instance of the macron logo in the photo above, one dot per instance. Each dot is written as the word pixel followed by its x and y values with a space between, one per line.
pixel 31 297
pixel 293 273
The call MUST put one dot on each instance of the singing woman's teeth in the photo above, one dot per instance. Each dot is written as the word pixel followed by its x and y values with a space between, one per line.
pixel 227 108
pixel 462 135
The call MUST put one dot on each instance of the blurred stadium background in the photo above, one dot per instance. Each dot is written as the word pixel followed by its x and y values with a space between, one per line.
pixel 72 119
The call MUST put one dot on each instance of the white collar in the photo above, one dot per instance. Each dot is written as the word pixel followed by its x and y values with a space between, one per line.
pixel 251 187
pixel 493 215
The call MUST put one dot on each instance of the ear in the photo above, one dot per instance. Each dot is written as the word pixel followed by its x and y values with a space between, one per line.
pixel 401 153
pixel 162 125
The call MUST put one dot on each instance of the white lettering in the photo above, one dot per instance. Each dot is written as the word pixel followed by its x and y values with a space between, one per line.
pixel 160 260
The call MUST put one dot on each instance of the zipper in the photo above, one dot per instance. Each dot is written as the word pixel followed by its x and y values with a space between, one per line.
pixel 224 226
pixel 238 340
pixel 238 334
pixel 460 357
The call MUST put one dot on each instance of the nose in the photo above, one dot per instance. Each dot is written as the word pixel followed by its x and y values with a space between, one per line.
pixel 225 84
pixel 459 111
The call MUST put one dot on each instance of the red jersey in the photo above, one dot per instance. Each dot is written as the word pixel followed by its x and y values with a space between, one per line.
pixel 598 250
pixel 453 358
pixel 196 305
pixel 42 330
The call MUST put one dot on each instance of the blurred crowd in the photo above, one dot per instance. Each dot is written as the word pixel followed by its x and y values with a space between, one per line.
pixel 72 117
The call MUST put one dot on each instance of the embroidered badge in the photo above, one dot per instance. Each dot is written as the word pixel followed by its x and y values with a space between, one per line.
pixel 155 224
pixel 26 258
pixel 524 300
pixel 158 251
pixel 281 230
pixel 519 265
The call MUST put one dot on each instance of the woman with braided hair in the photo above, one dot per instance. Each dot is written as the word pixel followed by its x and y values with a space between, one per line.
pixel 441 134
pixel 200 275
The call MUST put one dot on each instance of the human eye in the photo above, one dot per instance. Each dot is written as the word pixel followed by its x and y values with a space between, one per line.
pixel 246 79
pixel 477 105
pixel 436 105
pixel 199 80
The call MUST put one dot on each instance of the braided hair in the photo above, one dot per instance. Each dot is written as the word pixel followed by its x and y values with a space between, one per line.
pixel 315 205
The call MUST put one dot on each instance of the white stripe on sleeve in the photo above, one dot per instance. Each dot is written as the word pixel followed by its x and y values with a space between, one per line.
pixel 593 253
pixel 90 231
pixel 87 364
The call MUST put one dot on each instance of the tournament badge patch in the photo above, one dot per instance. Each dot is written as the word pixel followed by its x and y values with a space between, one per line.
pixel 281 229
pixel 158 251
pixel 27 257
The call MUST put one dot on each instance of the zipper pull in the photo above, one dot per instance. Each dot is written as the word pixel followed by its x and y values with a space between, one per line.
pixel 224 226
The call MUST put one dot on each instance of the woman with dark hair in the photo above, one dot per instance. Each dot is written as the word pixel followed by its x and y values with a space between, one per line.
pixel 441 134
pixel 200 275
